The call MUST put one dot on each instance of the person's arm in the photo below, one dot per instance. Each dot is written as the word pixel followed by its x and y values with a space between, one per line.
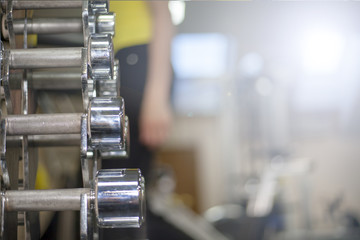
pixel 155 115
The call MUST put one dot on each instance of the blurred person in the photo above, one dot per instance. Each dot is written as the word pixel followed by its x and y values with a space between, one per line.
pixel 142 45
pixel 143 34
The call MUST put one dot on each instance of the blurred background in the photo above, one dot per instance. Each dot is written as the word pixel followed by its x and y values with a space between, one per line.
pixel 266 97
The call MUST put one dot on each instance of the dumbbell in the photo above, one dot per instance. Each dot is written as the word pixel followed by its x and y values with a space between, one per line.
pixel 117 196
pixel 106 123
pixel 100 57
pixel 94 5
pixel 54 79
pixel 102 23
pixel 91 11
pixel 106 120
pixel 71 140
pixel 96 62
pixel 103 128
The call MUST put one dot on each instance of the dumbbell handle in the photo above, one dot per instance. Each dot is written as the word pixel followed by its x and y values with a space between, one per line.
pixel 48 25
pixel 45 57
pixel 48 80
pixel 40 124
pixel 42 4
pixel 45 140
pixel 102 23
pixel 44 200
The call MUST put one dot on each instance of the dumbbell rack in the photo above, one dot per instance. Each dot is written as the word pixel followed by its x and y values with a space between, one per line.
pixel 109 198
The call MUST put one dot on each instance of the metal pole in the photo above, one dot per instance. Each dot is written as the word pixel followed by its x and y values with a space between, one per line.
pixel 69 79
pixel 44 200
pixel 40 124
pixel 45 57
pixel 42 4
pixel 59 140
pixel 48 25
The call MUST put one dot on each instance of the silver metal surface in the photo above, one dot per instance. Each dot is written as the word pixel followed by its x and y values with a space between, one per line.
pixel 57 80
pixel 120 153
pixel 114 154
pixel 5 81
pixel 86 87
pixel 3 164
pixel 51 79
pixel 84 209
pixel 98 6
pixel 39 124
pixel 102 125
pixel 42 4
pixel 9 21
pixel 101 57
pixel 106 121
pixel 58 140
pixel 110 87
pixel 69 79
pixel 94 63
pixel 54 140
pixel 31 219
pixel 44 200
pixel 24 111
pixel 103 23
pixel 44 57
pixel 48 25
pixel 87 24
pixel 84 151
pixel 119 198
pixel 2 217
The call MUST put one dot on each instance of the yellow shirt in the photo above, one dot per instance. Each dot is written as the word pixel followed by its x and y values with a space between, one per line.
pixel 133 24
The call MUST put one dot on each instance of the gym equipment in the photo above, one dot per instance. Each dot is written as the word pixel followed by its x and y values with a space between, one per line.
pixel 109 198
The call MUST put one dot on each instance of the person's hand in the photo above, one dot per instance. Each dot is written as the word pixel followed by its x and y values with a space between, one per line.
pixel 155 122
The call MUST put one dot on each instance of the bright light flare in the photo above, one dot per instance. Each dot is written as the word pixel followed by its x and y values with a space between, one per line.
pixel 322 51
pixel 177 11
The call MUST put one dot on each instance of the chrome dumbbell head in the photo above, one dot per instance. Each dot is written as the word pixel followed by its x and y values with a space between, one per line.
pixel 101 57
pixel 98 6
pixel 103 23
pixel 107 123
pixel 120 153
pixel 110 87
pixel 119 198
